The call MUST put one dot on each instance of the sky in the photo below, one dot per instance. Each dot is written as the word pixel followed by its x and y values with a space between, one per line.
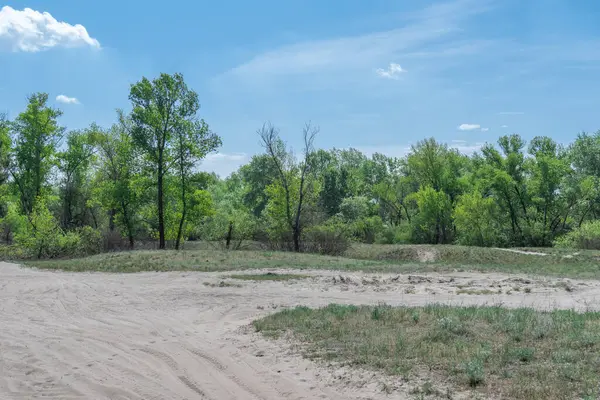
pixel 375 75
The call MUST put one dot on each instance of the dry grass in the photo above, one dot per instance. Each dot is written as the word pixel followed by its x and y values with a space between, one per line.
pixel 510 354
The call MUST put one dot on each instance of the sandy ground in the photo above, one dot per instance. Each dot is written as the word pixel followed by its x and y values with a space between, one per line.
pixel 170 336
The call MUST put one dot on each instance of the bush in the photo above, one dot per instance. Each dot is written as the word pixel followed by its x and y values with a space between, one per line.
pixel 587 236
pixel 331 239
pixel 395 234
pixel 91 241
pixel 367 230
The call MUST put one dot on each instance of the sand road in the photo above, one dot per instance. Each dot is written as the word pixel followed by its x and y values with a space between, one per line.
pixel 169 336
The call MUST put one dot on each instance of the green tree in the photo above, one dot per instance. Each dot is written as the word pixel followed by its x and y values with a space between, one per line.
pixel 474 217
pixel 74 164
pixel 259 173
pixel 433 222
pixel 36 136
pixel 116 189
pixel 193 141
pixel 294 178
pixel 162 109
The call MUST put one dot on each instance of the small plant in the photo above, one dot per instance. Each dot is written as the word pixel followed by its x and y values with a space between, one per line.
pixel 416 317
pixel 475 372
pixel 524 354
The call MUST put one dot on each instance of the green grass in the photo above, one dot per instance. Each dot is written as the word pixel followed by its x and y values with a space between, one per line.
pixel 205 260
pixel 368 258
pixel 510 354
pixel 269 276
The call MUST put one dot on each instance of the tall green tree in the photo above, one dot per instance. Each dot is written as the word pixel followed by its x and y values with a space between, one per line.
pixel 162 108
pixel 74 165
pixel 36 136
pixel 193 141
pixel 116 189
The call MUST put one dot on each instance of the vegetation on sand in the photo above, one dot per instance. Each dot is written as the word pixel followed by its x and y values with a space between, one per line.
pixel 510 354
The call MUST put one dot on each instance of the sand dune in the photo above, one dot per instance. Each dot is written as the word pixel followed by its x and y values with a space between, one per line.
pixel 168 336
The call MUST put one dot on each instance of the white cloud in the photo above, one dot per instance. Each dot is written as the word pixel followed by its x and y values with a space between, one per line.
pixel 469 127
pixel 504 126
pixel 485 129
pixel 61 98
pixel 31 31
pixel 392 72
pixel 511 113
pixel 223 164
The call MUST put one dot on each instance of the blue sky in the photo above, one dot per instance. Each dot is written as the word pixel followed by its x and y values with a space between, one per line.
pixel 376 75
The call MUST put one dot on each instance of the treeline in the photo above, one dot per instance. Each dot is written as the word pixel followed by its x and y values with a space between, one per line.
pixel 137 184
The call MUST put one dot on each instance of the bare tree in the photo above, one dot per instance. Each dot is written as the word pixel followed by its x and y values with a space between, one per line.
pixel 286 167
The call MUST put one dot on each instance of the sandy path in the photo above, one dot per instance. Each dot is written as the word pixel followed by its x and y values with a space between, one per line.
pixel 168 336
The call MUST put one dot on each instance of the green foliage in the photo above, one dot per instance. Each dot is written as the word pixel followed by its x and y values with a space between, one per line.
pixel 139 181
pixel 36 136
pixel 474 218
pixel 587 236
pixel 433 223
pixel 330 239
pixel 42 237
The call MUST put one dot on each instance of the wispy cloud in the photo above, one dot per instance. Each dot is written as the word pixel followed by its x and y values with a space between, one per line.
pixel 504 126
pixel 469 127
pixel 391 72
pixel 485 129
pixel 61 98
pixel 364 51
pixel 31 31
pixel 511 113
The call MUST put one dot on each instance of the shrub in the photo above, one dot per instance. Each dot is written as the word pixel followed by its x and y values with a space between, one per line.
pixel 91 241
pixel 395 234
pixel 366 230
pixel 587 236
pixel 331 239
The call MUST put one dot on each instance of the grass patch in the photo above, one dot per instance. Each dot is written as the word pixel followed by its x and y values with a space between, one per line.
pixel 511 354
pixel 205 261
pixel 269 276
pixel 368 258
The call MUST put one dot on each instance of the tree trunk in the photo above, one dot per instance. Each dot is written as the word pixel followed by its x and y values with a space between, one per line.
pixel 128 225
pixel 111 219
pixel 229 235
pixel 297 239
pixel 161 208
pixel 180 230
